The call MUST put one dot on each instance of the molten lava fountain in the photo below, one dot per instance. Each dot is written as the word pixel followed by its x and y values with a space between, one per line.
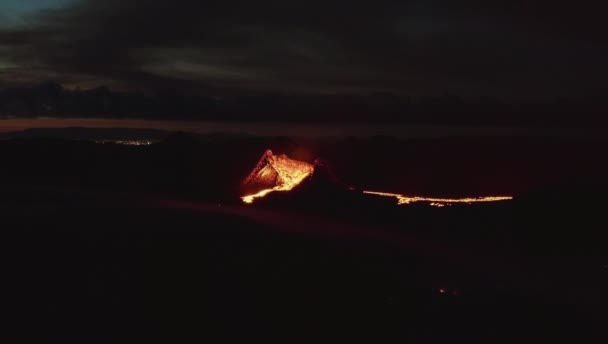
pixel 275 173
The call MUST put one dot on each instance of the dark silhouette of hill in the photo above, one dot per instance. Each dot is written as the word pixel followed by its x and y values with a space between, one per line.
pixel 181 139
pixel 81 133
pixel 51 99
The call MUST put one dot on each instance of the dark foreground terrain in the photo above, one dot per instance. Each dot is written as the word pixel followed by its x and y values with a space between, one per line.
pixel 171 255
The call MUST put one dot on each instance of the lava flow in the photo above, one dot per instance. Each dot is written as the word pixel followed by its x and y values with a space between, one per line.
pixel 280 173
pixel 276 173
pixel 438 202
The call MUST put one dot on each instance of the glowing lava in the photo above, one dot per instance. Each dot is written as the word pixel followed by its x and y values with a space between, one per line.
pixel 275 173
pixel 439 202
pixel 280 173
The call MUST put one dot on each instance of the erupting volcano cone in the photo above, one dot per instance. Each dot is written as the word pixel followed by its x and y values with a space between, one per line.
pixel 274 173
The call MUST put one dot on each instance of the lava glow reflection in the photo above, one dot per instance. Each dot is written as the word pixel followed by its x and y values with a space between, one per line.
pixel 439 202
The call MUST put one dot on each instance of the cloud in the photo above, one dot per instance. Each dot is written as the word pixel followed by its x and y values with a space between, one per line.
pixel 506 48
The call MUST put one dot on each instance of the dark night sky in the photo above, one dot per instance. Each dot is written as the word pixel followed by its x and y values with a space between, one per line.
pixel 507 49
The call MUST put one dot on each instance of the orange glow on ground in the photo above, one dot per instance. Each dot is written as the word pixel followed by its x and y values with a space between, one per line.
pixel 439 202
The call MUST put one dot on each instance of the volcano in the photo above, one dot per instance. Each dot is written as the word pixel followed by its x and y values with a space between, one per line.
pixel 307 183
pixel 275 173
pixel 317 182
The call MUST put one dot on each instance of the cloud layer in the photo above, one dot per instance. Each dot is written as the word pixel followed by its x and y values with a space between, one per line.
pixel 470 48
